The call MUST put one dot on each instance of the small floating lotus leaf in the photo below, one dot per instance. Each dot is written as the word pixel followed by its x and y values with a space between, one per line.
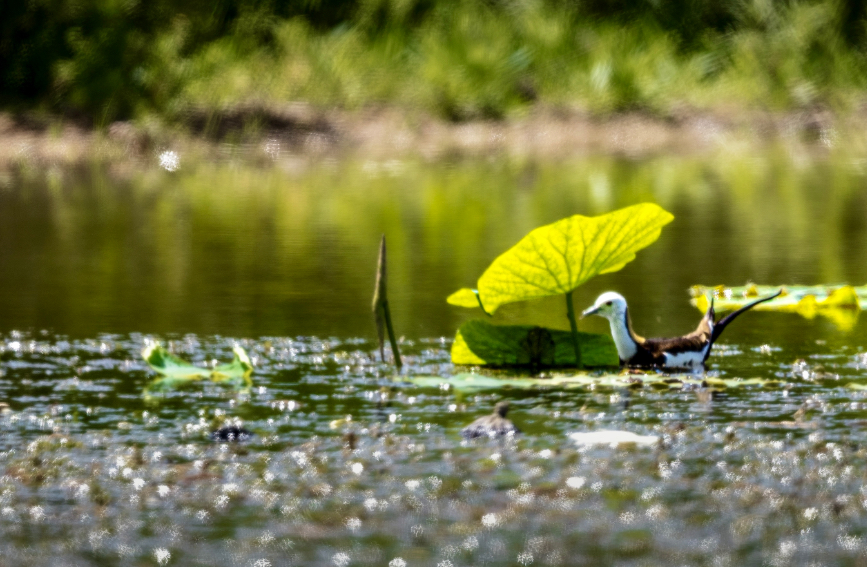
pixel 841 304
pixel 177 372
pixel 170 365
pixel 479 342
pixel 236 372
pixel 468 382
pixel 557 258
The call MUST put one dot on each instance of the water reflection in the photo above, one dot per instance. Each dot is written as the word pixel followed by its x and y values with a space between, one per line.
pixel 251 252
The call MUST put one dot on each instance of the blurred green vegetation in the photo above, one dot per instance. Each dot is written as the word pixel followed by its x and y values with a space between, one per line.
pixel 109 59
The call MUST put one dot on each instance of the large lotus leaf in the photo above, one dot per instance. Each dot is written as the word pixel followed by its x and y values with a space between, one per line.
pixel 479 342
pixel 467 382
pixel 841 303
pixel 557 258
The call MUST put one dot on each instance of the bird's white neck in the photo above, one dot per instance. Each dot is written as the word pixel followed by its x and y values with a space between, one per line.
pixel 626 347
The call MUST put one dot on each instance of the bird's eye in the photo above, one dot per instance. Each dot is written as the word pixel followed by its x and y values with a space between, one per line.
pixel 607 303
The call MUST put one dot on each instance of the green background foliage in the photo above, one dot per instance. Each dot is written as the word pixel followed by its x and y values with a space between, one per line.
pixel 108 59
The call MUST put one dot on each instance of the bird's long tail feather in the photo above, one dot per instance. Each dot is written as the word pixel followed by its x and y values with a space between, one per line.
pixel 720 325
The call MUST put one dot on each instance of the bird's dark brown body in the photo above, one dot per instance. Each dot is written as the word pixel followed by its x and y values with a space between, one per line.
pixel 685 351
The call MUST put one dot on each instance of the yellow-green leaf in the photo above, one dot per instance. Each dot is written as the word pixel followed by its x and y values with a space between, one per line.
pixel 557 258
pixel 169 365
pixel 464 297
pixel 840 303
pixel 236 372
pixel 176 372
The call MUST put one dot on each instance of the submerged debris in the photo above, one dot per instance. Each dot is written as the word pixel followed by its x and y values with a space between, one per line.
pixel 492 425
pixel 231 433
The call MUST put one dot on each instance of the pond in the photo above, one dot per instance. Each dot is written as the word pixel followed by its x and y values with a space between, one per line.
pixel 352 465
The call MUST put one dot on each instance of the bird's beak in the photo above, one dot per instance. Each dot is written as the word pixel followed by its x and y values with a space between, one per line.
pixel 589 311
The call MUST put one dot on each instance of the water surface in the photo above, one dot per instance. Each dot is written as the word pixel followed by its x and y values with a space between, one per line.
pixel 94 264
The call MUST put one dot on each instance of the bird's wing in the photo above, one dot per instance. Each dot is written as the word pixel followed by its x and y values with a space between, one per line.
pixel 695 341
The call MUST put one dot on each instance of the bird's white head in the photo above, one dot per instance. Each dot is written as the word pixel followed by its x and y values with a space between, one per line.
pixel 610 305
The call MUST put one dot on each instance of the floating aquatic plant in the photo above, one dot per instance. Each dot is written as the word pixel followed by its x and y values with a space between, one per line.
pixel 840 303
pixel 557 258
pixel 468 382
pixel 177 372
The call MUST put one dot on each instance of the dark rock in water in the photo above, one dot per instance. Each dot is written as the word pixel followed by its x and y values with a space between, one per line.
pixel 231 433
pixel 493 425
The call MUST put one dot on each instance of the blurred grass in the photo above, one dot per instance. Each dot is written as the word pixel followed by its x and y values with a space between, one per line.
pixel 112 59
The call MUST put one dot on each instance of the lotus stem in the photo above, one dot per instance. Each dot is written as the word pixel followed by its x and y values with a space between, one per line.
pixel 570 312
pixel 381 311
pixel 387 314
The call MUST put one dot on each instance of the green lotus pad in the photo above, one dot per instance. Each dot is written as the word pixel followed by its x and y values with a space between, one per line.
pixel 839 303
pixel 557 258
pixel 468 382
pixel 177 372
pixel 479 342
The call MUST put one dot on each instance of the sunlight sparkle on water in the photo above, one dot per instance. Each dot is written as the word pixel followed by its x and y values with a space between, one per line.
pixel 162 555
